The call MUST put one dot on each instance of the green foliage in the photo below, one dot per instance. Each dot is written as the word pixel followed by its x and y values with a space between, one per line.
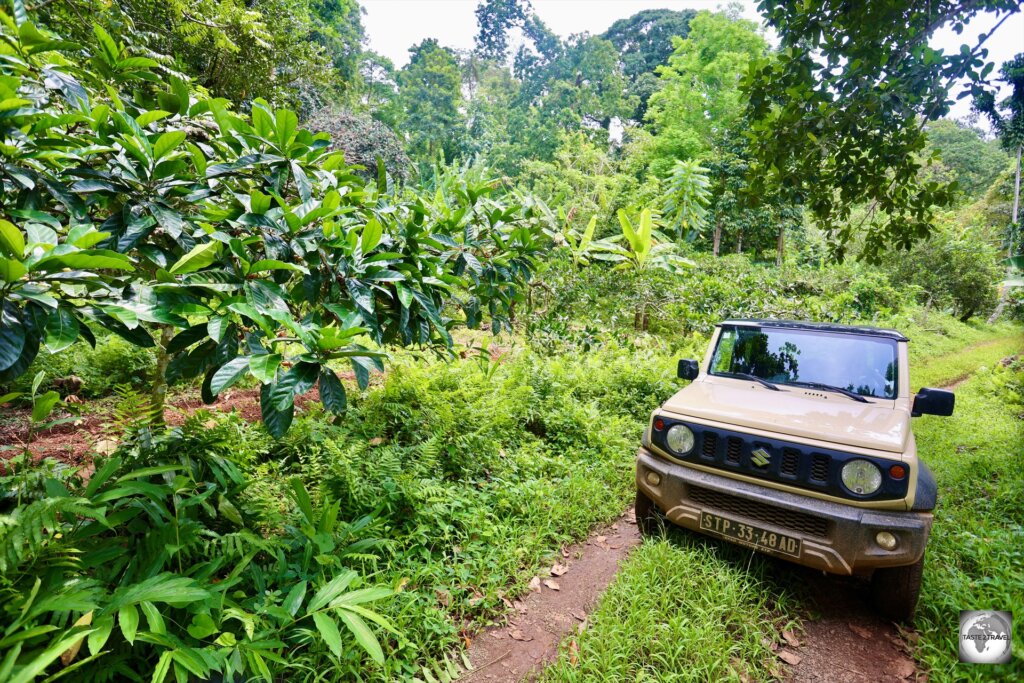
pixel 114 361
pixel 837 122
pixel 974 162
pixel 685 609
pixel 644 41
pixel 686 197
pixel 1007 116
pixel 1015 304
pixel 431 95
pixel 285 51
pixel 699 97
pixel 364 141
pixel 953 268
pixel 974 552
pixel 247 235
pixel 162 528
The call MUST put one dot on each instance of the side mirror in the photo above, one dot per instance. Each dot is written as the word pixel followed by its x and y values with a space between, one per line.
pixel 933 402
pixel 688 369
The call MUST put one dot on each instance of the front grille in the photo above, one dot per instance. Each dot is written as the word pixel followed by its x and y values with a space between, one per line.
pixel 709 445
pixel 790 462
pixel 819 467
pixel 734 450
pixel 760 512
pixel 767 459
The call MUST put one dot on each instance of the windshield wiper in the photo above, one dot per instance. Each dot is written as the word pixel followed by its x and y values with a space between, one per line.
pixel 752 378
pixel 829 387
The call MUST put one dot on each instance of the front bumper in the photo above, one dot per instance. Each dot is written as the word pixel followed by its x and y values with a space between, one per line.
pixel 836 538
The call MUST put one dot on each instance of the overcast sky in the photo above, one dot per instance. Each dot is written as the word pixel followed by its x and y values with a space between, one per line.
pixel 393 26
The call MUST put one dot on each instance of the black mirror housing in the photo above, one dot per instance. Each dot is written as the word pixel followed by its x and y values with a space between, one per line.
pixel 688 369
pixel 933 402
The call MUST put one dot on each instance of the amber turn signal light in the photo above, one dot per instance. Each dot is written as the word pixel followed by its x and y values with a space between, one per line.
pixel 659 424
pixel 897 471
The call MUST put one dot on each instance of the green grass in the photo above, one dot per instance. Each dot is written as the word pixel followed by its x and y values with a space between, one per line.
pixel 681 609
pixel 952 365
pixel 976 553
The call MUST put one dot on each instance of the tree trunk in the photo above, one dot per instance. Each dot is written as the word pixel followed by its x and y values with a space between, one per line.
pixel 158 394
pixel 718 237
pixel 739 244
pixel 1016 195
pixel 781 253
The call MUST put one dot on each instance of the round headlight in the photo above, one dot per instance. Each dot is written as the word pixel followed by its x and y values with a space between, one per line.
pixel 679 439
pixel 861 476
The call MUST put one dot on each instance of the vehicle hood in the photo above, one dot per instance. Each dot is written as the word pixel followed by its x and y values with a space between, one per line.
pixel 797 412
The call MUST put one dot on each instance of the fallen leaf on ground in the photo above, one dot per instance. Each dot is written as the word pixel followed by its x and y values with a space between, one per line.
pixel 790 658
pixel 105 446
pixel 901 668
pixel 574 652
pixel 558 569
pixel 376 441
pixel 516 634
pixel 552 584
pixel 600 539
pixel 860 631
pixel 520 607
pixel 791 638
pixel 565 552
pixel 535 584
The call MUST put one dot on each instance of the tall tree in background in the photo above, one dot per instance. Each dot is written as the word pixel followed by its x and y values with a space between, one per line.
pixel 699 96
pixel 286 51
pixel 644 42
pixel 494 19
pixel 837 113
pixel 1008 119
pixel 969 158
pixel 430 87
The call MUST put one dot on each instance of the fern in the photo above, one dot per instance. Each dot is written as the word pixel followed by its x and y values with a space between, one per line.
pixel 132 411
pixel 25 532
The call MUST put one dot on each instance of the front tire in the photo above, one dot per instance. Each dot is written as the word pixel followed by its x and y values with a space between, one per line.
pixel 895 590
pixel 648 520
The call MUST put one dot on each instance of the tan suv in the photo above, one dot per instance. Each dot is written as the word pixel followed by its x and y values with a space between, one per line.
pixel 794 439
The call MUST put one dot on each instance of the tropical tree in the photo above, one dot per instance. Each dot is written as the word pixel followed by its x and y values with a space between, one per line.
pixel 645 42
pixel 686 197
pixel 248 245
pixel 1008 119
pixel 837 114
pixel 699 97
pixel 430 88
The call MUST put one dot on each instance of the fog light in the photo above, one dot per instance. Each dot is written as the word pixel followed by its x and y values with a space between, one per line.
pixel 886 540
pixel 653 478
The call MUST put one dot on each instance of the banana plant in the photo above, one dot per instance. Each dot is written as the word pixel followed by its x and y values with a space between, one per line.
pixel 640 248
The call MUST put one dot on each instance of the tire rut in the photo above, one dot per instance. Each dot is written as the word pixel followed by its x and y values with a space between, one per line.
pixel 519 649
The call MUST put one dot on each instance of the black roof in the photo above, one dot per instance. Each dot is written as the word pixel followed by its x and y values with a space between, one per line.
pixel 818 327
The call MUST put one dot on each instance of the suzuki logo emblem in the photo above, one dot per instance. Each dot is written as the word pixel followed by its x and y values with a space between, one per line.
pixel 760 457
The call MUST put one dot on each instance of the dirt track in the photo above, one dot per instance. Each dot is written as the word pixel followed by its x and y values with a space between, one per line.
pixel 539 621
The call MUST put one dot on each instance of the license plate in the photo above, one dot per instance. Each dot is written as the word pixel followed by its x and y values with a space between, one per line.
pixel 749 535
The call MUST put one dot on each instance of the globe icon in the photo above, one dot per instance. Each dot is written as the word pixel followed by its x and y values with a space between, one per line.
pixel 985 637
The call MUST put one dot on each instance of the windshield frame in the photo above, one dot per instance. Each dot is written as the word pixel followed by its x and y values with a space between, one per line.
pixel 723 329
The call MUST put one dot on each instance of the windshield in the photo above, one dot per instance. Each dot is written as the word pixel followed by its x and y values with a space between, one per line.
pixel 859 363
